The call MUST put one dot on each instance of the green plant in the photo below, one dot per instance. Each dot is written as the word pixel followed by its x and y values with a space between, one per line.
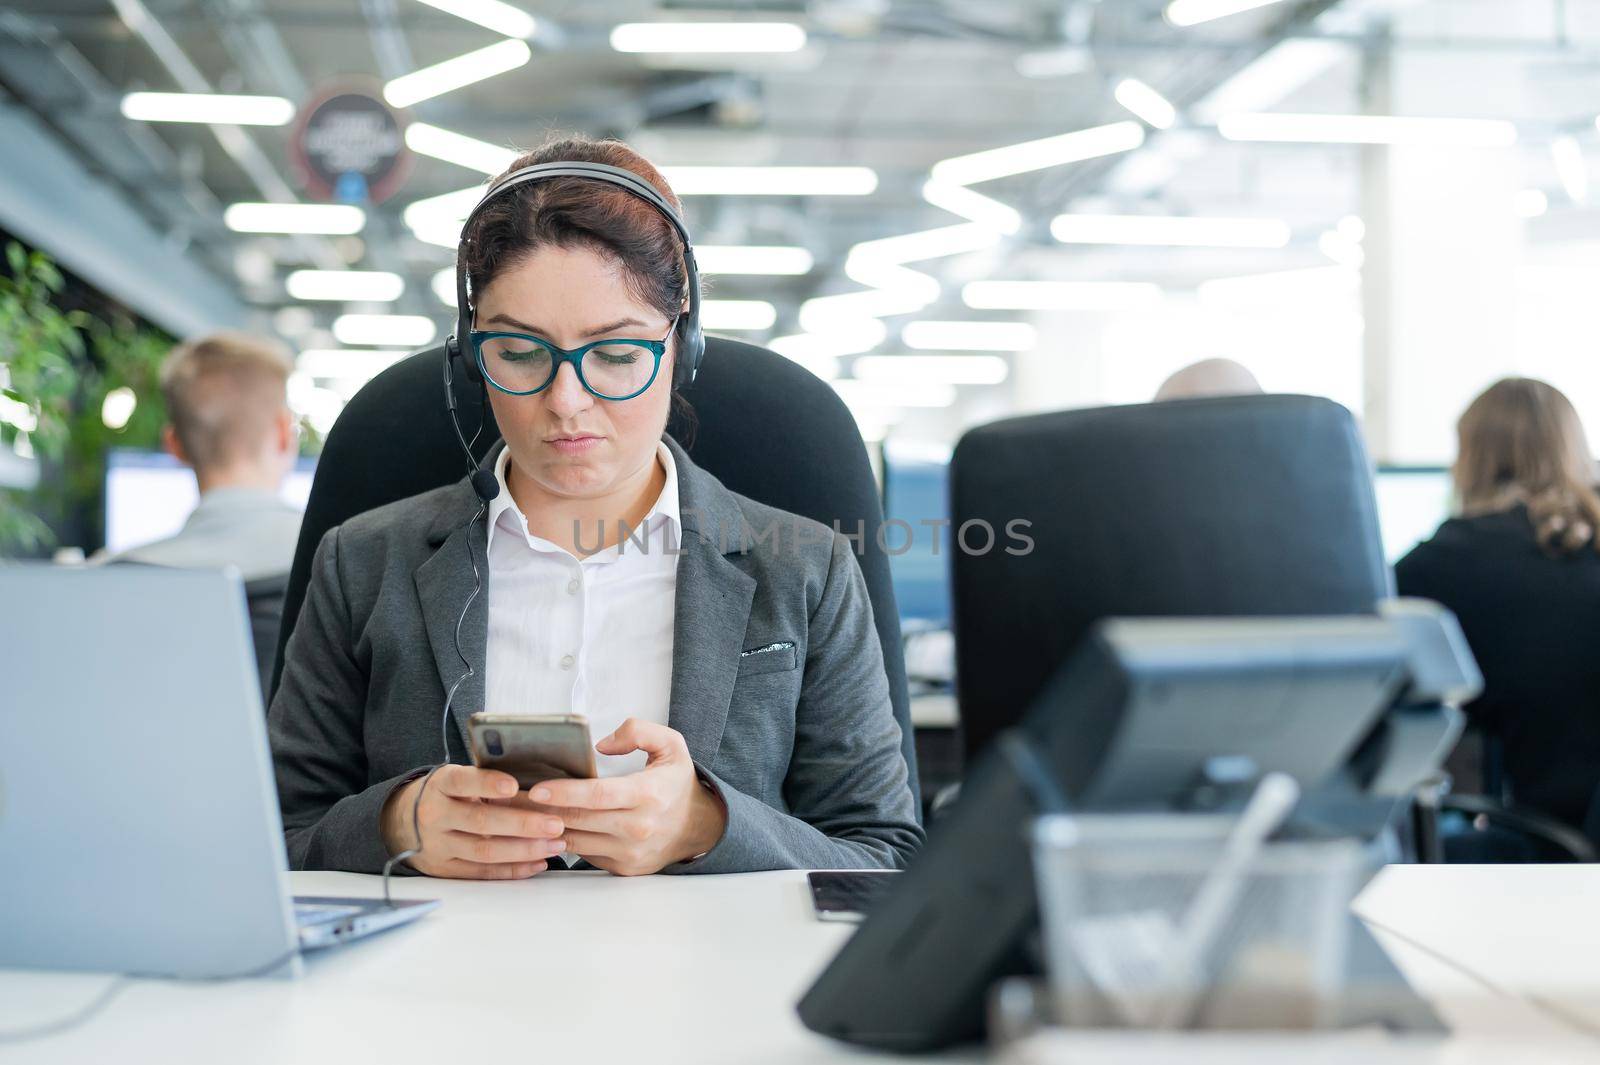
pixel 40 347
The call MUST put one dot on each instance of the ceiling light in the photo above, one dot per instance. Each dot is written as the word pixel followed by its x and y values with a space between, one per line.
pixel 858 394
pixel 771 180
pixel 452 147
pixel 1062 295
pixel 1267 80
pixel 737 314
pixel 1570 168
pixel 1146 103
pixel 376 286
pixel 975 206
pixel 491 15
pixel 836 314
pixel 708 37
pixel 444 286
pixel 1038 154
pixel 384 330
pixel 327 218
pixel 207 107
pixel 346 363
pixel 466 69
pixel 117 408
pixel 936 369
pixel 926 244
pixel 752 259
pixel 438 219
pixel 1194 12
pixel 850 337
pixel 1054 62
pixel 1352 228
pixel 969 336
pixel 1530 203
pixel 1341 250
pixel 1171 231
pixel 1369 129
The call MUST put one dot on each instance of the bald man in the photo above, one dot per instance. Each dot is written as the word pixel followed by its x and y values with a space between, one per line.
pixel 1209 377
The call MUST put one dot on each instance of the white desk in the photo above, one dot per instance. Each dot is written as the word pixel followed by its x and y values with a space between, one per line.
pixel 707 969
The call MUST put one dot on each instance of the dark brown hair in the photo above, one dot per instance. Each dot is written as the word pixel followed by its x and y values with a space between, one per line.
pixel 572 212
pixel 1522 444
pixel 223 392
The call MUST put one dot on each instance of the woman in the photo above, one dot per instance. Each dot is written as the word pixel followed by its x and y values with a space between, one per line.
pixel 1521 568
pixel 736 679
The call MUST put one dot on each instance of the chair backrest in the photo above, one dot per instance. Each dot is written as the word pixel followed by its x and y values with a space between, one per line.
pixel 1247 505
pixel 264 599
pixel 766 428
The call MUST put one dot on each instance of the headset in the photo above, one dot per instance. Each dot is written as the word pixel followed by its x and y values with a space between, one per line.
pixel 686 364
pixel 691 340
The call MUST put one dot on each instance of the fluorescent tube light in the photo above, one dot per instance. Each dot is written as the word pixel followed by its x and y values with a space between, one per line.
pixel 1171 231
pixel 1571 169
pixel 771 180
pixel 491 15
pixel 346 363
pixel 1316 285
pixel 934 369
pixel 737 314
pixel 375 286
pixel 772 260
pixel 1062 295
pixel 833 314
pixel 1530 203
pixel 749 37
pixel 1146 103
pixel 841 337
pixel 1194 12
pixel 443 284
pixel 975 206
pixel 458 148
pixel 1340 249
pixel 207 107
pixel 969 336
pixel 1039 154
pixel 334 219
pixel 869 394
pixel 384 330
pixel 451 74
pixel 1267 81
pixel 926 244
pixel 1369 129
pixel 438 219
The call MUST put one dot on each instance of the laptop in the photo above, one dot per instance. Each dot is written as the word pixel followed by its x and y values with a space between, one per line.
pixel 138 814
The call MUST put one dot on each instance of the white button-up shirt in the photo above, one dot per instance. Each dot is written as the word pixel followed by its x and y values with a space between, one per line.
pixel 588 636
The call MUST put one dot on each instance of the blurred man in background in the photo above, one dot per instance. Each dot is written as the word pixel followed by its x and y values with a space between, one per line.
pixel 230 422
pixel 1209 377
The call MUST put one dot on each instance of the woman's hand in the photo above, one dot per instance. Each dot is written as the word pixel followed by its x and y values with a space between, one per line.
pixel 639 823
pixel 469 829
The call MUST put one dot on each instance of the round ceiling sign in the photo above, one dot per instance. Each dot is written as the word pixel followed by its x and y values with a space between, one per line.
pixel 349 146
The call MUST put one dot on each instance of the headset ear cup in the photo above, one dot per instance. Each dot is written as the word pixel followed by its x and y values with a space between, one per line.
pixel 469 367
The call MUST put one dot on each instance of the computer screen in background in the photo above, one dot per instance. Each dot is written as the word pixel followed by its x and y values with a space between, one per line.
pixel 916 489
pixel 150 493
pixel 1412 502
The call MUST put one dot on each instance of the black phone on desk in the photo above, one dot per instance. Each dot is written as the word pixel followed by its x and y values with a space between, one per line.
pixel 532 747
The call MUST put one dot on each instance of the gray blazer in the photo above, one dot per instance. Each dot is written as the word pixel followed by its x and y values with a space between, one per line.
pixel 778 683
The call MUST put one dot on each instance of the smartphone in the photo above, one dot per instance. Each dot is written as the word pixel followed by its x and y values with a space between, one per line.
pixel 532 747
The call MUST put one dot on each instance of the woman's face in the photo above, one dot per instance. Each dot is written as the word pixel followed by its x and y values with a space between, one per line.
pixel 564 440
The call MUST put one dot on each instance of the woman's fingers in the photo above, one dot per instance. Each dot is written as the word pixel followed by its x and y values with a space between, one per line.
pixel 492 819
pixel 592 844
pixel 497 850
pixel 459 869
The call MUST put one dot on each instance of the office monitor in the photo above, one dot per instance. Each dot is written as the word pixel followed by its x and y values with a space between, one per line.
pixel 916 492
pixel 149 494
pixel 1148 714
pixel 1412 502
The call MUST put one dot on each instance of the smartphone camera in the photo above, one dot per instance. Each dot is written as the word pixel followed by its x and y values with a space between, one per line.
pixel 491 742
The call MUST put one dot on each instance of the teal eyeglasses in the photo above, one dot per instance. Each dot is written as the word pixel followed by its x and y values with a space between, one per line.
pixel 522 365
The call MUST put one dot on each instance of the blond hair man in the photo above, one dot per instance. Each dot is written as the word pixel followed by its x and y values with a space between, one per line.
pixel 230 422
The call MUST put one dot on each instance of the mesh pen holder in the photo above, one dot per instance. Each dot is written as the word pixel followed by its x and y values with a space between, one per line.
pixel 1143 928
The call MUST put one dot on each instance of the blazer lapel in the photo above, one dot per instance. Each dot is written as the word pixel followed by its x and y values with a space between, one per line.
pixel 711 611
pixel 445 588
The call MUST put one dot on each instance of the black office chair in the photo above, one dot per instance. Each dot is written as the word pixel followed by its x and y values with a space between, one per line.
pixel 1248 505
pixel 264 598
pixel 765 427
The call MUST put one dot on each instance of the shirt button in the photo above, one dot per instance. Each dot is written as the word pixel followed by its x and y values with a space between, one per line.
pixel 572 586
pixel 566 661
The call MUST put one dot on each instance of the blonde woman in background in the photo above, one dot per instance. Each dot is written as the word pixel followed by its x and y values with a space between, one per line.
pixel 1520 567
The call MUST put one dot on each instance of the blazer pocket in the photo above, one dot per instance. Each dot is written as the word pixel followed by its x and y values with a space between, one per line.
pixel 769 658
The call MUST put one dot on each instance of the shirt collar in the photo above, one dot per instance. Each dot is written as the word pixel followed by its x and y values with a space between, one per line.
pixel 665 509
